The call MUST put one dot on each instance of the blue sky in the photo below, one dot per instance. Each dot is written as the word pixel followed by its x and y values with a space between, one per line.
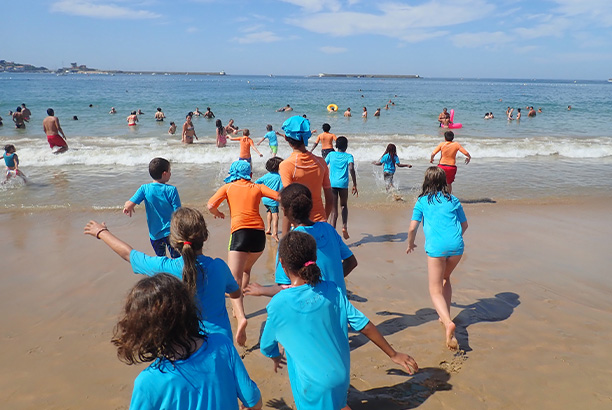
pixel 560 39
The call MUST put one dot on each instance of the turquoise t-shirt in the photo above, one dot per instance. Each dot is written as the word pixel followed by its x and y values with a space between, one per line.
pixel 331 251
pixel 212 378
pixel 271 136
pixel 161 200
pixel 273 181
pixel 311 322
pixel 389 163
pixel 215 281
pixel 442 219
pixel 339 168
pixel 9 160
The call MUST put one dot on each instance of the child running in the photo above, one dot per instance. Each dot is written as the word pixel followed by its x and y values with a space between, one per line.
pixel 341 164
pixel 12 163
pixel 245 146
pixel 389 160
pixel 444 224
pixel 273 181
pixel 448 157
pixel 272 140
pixel 190 369
pixel 335 259
pixel 305 168
pixel 310 319
pixel 248 239
pixel 207 278
pixel 327 140
pixel 161 200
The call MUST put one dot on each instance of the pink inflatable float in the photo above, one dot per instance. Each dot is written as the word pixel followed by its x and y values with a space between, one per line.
pixel 452 125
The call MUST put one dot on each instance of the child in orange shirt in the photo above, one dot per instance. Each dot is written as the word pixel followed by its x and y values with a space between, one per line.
pixel 245 146
pixel 447 160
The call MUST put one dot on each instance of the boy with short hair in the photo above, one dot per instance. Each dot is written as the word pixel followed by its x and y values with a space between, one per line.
pixel 326 138
pixel 273 181
pixel 245 146
pixel 341 164
pixel 161 200
pixel 272 140
pixel 449 149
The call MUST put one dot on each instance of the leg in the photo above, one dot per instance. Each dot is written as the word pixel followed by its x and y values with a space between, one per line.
pixel 275 225
pixel 236 261
pixel 159 246
pixel 450 187
pixel 343 194
pixel 269 220
pixel 333 215
pixel 437 270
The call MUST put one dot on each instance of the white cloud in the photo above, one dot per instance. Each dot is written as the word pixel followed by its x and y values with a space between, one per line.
pixel 599 11
pixel 333 50
pixel 315 5
pixel 554 27
pixel 259 37
pixel 91 8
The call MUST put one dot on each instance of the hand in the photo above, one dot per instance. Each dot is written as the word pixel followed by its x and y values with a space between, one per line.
pixel 128 211
pixel 467 161
pixel 411 247
pixel 93 227
pixel 261 155
pixel 279 362
pixel 409 165
pixel 406 361
pixel 254 289
pixel 355 192
pixel 220 215
pixel 431 161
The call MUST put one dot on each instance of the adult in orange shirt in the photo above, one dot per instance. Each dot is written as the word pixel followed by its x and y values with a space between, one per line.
pixel 306 168
pixel 447 160
pixel 245 146
pixel 248 238
pixel 327 140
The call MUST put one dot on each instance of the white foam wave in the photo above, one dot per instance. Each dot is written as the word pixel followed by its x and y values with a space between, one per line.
pixel 111 151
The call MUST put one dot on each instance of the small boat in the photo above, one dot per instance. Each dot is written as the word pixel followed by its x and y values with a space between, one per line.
pixel 610 80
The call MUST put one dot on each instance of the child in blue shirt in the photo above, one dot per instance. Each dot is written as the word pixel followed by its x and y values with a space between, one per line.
pixel 161 200
pixel 190 369
pixel 340 165
pixel 272 140
pixel 273 181
pixel 389 160
pixel 310 320
pixel 208 279
pixel 335 259
pixel 12 163
pixel 444 224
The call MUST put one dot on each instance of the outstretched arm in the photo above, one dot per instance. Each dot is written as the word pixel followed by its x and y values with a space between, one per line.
pixel 372 333
pixel 404 165
pixel 412 231
pixel 349 264
pixel 255 289
pixel 100 231
pixel 128 208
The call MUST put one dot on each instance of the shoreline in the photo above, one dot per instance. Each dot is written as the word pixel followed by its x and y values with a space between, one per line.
pixel 531 294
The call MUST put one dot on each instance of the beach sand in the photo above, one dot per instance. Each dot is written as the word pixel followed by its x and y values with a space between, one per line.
pixel 532 297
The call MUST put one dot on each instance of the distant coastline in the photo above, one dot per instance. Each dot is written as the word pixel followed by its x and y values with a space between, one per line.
pixel 367 75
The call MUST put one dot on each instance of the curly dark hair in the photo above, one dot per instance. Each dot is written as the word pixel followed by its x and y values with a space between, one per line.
pixel 160 320
pixel 434 183
pixel 296 201
pixel 188 233
pixel 297 252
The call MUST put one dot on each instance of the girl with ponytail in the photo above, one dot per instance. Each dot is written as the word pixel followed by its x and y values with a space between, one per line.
pixel 310 319
pixel 207 279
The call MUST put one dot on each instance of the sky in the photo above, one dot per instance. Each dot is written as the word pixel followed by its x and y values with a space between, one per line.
pixel 558 39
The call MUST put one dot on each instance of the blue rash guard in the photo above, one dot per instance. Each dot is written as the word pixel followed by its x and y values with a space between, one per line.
pixel 161 200
pixel 311 322
pixel 339 168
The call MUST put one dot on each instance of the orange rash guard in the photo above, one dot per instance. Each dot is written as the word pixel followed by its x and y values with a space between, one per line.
pixel 449 152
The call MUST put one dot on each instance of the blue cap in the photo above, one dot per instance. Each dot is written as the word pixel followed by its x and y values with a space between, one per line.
pixel 239 170
pixel 297 128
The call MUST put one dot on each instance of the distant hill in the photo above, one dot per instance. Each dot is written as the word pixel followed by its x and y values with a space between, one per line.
pixel 20 67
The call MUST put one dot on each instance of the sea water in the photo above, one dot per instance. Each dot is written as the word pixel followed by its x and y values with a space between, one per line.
pixel 558 154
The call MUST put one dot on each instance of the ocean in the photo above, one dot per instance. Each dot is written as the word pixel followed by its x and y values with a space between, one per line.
pixel 557 155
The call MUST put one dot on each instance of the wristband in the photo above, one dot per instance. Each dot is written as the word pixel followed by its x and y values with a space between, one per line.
pixel 100 231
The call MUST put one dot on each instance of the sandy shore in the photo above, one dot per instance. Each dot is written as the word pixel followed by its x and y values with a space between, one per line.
pixel 532 297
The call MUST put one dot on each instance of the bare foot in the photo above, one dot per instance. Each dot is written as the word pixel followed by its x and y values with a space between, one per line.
pixel 451 341
pixel 275 236
pixel 268 232
pixel 345 234
pixel 241 333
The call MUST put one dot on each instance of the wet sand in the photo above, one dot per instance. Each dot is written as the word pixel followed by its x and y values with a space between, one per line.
pixel 531 293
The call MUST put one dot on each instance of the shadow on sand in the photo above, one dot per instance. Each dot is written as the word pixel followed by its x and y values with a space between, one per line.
pixel 493 309
pixel 369 238
pixel 396 324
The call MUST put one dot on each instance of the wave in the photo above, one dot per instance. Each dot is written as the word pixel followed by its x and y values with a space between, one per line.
pixel 109 151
